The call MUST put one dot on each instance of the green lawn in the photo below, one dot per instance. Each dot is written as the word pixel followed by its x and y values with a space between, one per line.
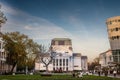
pixel 54 77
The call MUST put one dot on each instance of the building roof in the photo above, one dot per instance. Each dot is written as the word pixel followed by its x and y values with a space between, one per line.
pixel 113 18
pixel 44 55
pixel 83 57
pixel 61 39
pixel 105 52
pixel 76 54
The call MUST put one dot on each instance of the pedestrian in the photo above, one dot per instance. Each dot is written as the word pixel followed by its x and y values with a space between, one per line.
pixel 114 73
pixel 99 73
pixel 73 74
pixel 106 73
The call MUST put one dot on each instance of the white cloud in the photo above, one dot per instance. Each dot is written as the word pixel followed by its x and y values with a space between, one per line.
pixel 28 28
pixel 42 31
pixel 35 27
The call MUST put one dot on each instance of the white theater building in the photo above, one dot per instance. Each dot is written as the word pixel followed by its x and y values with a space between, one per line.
pixel 65 59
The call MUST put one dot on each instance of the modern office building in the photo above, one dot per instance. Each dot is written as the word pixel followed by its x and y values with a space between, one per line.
pixel 64 59
pixel 77 61
pixel 84 63
pixel 113 28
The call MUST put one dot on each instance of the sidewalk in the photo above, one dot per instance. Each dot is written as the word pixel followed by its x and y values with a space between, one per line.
pixel 110 75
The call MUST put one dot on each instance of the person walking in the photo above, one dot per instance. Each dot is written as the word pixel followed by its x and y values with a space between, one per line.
pixel 114 73
pixel 99 73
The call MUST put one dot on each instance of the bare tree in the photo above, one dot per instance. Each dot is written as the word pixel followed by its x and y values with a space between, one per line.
pixel 46 56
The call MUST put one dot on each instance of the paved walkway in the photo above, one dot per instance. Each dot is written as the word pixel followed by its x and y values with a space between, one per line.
pixel 110 75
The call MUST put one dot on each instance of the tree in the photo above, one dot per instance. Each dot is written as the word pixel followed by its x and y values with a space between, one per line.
pixel 18 48
pixel 94 65
pixel 46 56
pixel 96 60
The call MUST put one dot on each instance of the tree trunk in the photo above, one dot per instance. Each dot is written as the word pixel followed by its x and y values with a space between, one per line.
pixel 46 68
pixel 13 67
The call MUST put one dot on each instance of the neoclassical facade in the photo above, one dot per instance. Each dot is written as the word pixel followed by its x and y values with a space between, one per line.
pixel 113 28
pixel 63 49
pixel 65 59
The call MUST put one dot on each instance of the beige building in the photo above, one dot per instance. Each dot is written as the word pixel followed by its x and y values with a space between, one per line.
pixel 106 59
pixel 113 28
pixel 62 45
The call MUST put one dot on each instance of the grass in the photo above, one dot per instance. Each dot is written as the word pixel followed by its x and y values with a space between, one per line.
pixel 54 77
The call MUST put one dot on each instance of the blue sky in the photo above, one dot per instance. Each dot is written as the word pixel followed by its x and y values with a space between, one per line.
pixel 83 21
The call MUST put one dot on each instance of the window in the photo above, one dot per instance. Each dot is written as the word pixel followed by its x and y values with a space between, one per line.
pixel 112 37
pixel 63 62
pixel 66 62
pixel 117 37
pixel 57 62
pixel 68 42
pixel 115 20
pixel 0 45
pixel 53 42
pixel 66 68
pixel 76 66
pixel 60 62
pixel 114 52
pixel 70 48
pixel 116 29
pixel 53 62
pixel 53 68
pixel 61 43
pixel 110 22
pixel 115 58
